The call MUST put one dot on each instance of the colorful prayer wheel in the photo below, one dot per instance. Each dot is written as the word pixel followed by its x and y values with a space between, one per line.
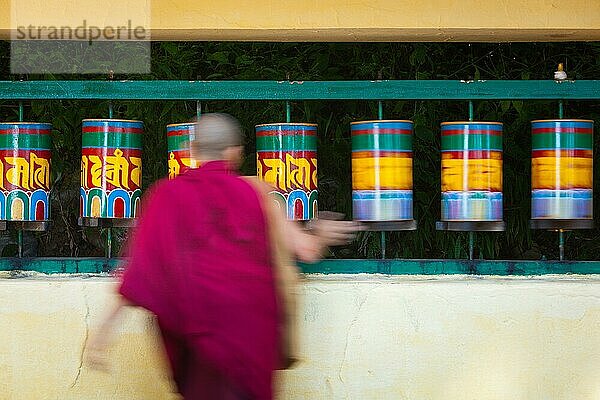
pixel 561 169
pixel 25 153
pixel 471 171
pixel 287 159
pixel 382 170
pixel 179 139
pixel 111 168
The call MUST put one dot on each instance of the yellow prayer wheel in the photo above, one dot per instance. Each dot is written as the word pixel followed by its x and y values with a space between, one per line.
pixel 382 170
pixel 472 173
pixel 562 173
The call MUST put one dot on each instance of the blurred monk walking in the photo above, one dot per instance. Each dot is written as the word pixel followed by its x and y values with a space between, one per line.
pixel 212 258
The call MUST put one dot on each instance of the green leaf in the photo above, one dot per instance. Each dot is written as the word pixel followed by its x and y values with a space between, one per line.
pixel 221 57
pixel 518 105
pixel 170 48
pixel 418 56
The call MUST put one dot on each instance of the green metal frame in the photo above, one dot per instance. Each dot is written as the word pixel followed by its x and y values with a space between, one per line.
pixel 388 267
pixel 298 90
pixel 313 90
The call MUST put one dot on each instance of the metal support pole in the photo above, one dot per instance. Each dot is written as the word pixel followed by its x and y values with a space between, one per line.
pixel 560 109
pixel 111 77
pixel 561 233
pixel 288 106
pixel 471 234
pixel 471 112
pixel 383 241
pixel 20 242
pixel 109 231
pixel 471 245
pixel 109 243
pixel 198 109
pixel 20 232
pixel 561 245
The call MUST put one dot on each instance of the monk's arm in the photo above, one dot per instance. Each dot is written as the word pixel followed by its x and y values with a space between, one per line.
pixel 310 245
pixel 143 250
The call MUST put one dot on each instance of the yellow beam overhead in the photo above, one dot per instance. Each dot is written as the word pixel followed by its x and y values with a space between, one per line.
pixel 324 20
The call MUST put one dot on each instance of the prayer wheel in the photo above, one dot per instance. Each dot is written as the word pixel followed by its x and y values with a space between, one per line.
pixel 111 169
pixel 471 171
pixel 561 170
pixel 25 170
pixel 382 170
pixel 287 159
pixel 179 139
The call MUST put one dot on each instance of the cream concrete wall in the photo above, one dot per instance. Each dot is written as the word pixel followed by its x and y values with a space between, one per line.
pixel 364 337
pixel 328 20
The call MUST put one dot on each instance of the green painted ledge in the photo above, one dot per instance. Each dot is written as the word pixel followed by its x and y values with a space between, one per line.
pixel 389 267
pixel 301 90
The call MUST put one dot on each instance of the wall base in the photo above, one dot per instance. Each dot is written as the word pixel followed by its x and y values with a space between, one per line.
pixel 363 337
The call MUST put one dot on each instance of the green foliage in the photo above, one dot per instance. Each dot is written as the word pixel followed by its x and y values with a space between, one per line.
pixel 335 61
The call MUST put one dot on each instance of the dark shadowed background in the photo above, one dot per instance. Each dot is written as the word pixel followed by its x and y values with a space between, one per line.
pixel 331 61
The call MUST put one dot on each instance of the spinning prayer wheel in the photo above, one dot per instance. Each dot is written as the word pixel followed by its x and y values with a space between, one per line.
pixel 179 139
pixel 111 170
pixel 382 171
pixel 25 154
pixel 286 158
pixel 472 173
pixel 561 173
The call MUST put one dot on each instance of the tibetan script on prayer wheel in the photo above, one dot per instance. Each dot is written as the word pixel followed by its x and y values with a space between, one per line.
pixel 287 159
pixel 111 168
pixel 25 154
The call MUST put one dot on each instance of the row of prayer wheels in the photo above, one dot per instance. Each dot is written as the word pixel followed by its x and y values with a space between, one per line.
pixel 382 170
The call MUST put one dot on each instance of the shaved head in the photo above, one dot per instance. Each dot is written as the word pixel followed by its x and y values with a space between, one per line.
pixel 215 134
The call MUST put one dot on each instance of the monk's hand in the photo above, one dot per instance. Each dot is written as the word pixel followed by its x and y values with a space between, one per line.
pixel 311 244
pixel 331 231
pixel 308 248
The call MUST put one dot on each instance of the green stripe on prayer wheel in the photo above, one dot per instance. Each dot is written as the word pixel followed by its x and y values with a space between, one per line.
pixel 112 140
pixel 175 143
pixel 25 141
pixel 562 140
pixel 180 141
pixel 286 143
pixel 474 142
pixel 382 142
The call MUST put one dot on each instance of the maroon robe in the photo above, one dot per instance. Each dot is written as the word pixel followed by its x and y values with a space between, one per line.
pixel 199 260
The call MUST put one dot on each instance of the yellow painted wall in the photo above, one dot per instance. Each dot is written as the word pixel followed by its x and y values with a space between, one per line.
pixel 363 337
pixel 332 20
pixel 43 327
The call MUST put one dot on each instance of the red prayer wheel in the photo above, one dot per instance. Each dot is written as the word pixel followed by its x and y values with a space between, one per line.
pixel 287 159
pixel 111 169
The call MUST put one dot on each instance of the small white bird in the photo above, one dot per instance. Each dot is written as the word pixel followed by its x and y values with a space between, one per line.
pixel 560 75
